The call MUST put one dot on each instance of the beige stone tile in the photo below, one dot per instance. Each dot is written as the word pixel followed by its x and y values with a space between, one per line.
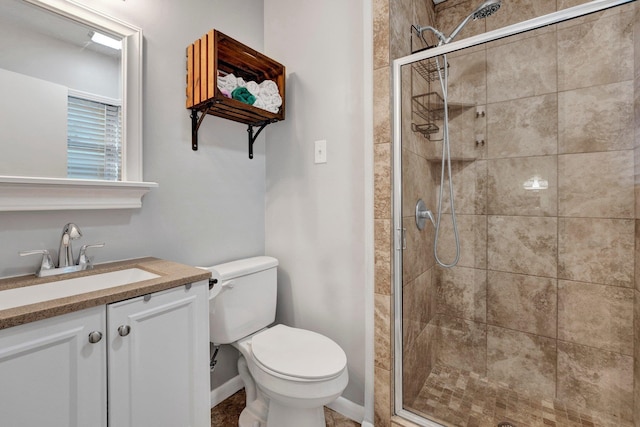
pixel 469 187
pixel 472 232
pixel 564 4
pixel 418 306
pixel 380 33
pixel 598 118
pixel 524 303
pixel 423 14
pixel 596 379
pixel 383 244
pixel 382 106
pixel 417 257
pixel 591 54
pixel 637 257
pixel 596 250
pixel 382 180
pixel 462 344
pixel 462 292
pixel 467 81
pixel 466 131
pixel 526 362
pixel 418 360
pixel 417 182
pixel 596 184
pixel 506 190
pixel 523 127
pixel 401 17
pixel 524 245
pixel 596 316
pixel 523 68
pixel 382 334
pixel 636 368
pixel 512 12
pixel 518 11
pixel 448 16
pixel 382 397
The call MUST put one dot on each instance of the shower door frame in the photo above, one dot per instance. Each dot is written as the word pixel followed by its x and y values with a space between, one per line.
pixel 398 234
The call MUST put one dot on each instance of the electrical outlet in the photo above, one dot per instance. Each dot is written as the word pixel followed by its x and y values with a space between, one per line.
pixel 321 151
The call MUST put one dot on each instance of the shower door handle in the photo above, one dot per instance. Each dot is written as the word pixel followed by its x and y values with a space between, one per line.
pixel 403 239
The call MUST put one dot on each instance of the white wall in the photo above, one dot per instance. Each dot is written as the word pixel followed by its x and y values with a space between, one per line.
pixel 34 54
pixel 29 150
pixel 209 207
pixel 315 213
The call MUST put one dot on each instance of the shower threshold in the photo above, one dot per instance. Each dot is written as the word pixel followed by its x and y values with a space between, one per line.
pixel 454 397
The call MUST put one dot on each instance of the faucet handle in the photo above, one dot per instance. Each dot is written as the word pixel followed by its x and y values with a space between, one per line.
pixel 47 262
pixel 83 259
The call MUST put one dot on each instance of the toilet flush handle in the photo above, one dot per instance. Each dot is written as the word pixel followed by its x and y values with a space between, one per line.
pixel 217 289
pixel 228 284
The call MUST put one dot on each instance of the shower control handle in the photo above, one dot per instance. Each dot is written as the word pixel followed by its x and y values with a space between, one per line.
pixel 422 213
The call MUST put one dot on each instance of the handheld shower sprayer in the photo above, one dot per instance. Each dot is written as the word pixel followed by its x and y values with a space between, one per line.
pixel 486 9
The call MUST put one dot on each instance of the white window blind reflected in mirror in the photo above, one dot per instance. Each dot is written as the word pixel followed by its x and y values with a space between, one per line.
pixel 94 140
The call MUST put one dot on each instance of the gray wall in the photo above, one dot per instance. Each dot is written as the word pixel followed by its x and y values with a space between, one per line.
pixel 209 207
pixel 315 212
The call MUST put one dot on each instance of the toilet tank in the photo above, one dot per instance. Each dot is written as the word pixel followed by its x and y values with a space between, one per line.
pixel 243 300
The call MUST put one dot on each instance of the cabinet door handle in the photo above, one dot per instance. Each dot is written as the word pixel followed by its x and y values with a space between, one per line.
pixel 124 330
pixel 95 337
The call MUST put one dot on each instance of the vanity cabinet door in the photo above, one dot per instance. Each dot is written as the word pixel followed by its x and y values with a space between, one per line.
pixel 159 359
pixel 52 375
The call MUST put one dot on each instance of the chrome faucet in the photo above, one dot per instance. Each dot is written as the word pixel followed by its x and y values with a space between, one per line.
pixel 65 253
pixel 66 263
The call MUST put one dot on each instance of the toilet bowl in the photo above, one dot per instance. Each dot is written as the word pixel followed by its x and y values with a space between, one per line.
pixel 289 373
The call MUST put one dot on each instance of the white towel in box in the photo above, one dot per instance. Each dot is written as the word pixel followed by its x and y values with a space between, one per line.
pixel 227 83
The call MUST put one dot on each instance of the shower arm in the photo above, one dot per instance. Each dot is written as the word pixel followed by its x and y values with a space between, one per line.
pixel 441 37
pixel 455 32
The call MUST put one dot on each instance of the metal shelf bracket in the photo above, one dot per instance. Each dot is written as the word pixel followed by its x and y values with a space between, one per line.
pixel 253 137
pixel 196 121
pixel 195 124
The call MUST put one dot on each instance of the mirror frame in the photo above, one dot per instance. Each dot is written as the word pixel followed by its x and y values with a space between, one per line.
pixel 19 193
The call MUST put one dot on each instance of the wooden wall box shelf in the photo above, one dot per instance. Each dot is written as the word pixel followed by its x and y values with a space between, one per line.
pixel 217 54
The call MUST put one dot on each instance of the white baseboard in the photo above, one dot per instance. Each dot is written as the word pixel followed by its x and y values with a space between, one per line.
pixel 226 390
pixel 347 408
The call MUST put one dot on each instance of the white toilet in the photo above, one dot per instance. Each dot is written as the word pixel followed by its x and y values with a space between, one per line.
pixel 289 374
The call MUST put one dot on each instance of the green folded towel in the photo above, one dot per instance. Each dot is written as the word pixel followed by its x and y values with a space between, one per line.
pixel 242 94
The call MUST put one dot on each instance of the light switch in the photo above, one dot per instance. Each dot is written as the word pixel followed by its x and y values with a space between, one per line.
pixel 321 151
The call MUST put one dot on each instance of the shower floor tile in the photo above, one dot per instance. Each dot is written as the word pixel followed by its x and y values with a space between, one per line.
pixel 454 397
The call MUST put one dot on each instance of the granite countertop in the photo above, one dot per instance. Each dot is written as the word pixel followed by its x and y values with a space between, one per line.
pixel 171 274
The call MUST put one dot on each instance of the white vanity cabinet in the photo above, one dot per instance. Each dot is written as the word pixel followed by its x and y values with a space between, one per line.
pixel 151 353
pixel 159 359
pixel 51 375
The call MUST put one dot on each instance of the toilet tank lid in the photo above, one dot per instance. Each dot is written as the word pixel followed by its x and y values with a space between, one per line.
pixel 242 267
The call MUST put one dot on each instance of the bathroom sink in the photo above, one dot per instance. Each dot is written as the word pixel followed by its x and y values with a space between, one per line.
pixel 17 297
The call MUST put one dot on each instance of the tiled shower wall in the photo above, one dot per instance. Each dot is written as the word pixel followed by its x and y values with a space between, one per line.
pixel 545 286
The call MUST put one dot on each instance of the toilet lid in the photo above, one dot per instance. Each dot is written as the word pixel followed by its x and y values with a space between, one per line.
pixel 298 353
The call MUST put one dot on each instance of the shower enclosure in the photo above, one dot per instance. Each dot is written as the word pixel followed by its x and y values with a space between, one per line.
pixel 538 324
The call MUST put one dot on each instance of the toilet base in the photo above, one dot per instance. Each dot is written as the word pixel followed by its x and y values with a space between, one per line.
pixel 281 416
pixel 286 416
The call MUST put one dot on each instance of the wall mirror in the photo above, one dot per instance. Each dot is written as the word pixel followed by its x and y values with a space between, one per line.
pixel 71 108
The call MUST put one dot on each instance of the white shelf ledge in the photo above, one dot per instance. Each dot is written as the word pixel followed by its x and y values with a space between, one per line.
pixel 43 194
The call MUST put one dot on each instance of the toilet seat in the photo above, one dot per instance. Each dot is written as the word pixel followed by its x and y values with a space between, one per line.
pixel 298 353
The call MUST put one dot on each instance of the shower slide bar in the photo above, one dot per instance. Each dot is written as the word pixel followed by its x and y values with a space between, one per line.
pixel 531 24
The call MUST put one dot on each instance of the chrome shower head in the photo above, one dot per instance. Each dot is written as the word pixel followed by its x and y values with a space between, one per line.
pixel 487 8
